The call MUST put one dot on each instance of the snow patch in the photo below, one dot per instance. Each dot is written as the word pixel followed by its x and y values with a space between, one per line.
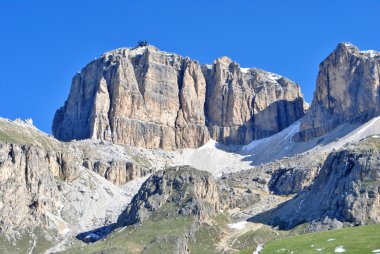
pixel 347 44
pixel 331 239
pixel 320 249
pixel 274 76
pixel 238 225
pixel 370 53
pixel 92 237
pixel 245 70
pixel 376 251
pixel 367 125
pixel 339 249
pixel 210 144
pixel 65 231
pixel 284 136
pixel 259 248
pixel 254 144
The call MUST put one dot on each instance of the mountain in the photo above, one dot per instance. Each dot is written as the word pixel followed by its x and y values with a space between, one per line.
pixel 347 91
pixel 159 154
pixel 153 99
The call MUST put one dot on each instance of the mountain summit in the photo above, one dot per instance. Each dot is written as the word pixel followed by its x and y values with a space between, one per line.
pixel 153 99
pixel 348 87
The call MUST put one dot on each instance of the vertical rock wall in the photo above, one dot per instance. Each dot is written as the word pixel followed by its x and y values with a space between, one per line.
pixel 148 98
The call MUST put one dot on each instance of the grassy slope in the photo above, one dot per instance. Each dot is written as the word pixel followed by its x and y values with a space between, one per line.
pixel 356 240
pixel 248 241
pixel 208 234
pixel 25 242
pixel 159 236
pixel 22 134
pixel 156 235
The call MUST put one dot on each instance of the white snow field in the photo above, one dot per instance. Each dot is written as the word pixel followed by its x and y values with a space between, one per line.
pixel 238 225
pixel 339 249
pixel 218 159
pixel 259 248
pixel 281 145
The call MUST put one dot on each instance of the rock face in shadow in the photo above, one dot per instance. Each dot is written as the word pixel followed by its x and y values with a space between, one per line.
pixel 286 181
pixel 347 90
pixel 247 104
pixel 188 190
pixel 153 99
pixel 346 189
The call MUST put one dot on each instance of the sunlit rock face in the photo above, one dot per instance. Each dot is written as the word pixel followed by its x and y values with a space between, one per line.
pixel 153 99
pixel 347 90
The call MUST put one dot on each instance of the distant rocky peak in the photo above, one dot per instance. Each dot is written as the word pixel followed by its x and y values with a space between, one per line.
pixel 224 60
pixel 347 90
pixel 346 46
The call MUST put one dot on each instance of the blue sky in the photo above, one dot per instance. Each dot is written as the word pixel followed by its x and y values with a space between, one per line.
pixel 44 43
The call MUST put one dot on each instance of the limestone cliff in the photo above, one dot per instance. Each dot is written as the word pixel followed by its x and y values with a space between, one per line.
pixel 29 193
pixel 246 104
pixel 346 189
pixel 149 98
pixel 43 185
pixel 348 86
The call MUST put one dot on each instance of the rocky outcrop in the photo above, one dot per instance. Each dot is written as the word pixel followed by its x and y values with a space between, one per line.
pixel 247 104
pixel 118 172
pixel 190 191
pixel 285 181
pixel 323 225
pixel 287 176
pixel 117 164
pixel 153 99
pixel 45 188
pixel 346 189
pixel 348 86
pixel 28 190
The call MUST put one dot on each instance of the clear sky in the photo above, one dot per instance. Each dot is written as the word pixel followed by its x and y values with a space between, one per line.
pixel 44 43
